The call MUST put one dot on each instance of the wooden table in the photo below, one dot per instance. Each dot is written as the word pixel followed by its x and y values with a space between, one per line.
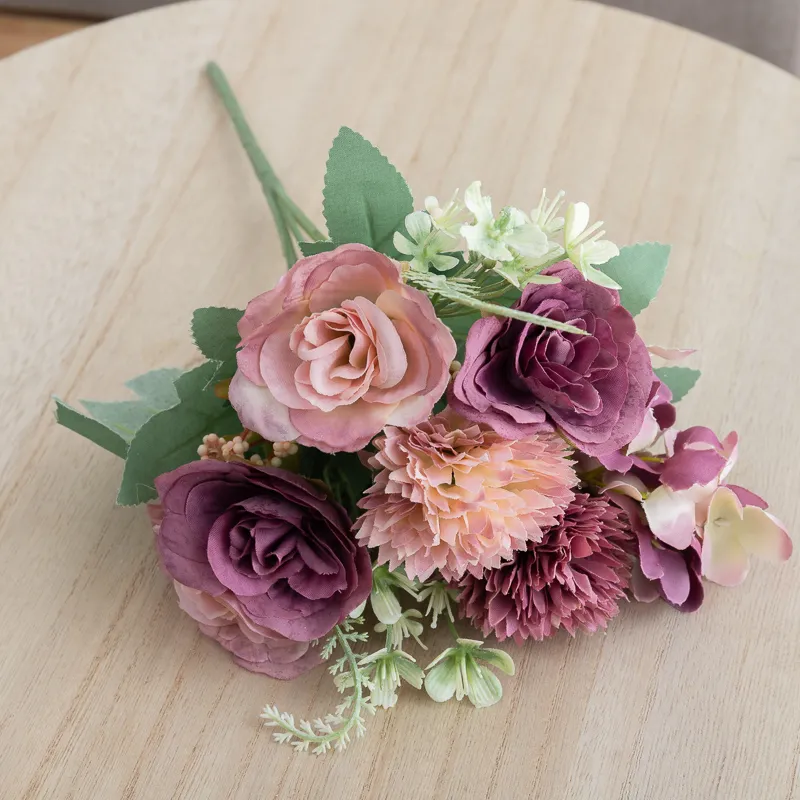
pixel 125 203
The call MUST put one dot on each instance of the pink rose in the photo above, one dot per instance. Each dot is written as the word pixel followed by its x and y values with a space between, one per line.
pixel 253 646
pixel 338 349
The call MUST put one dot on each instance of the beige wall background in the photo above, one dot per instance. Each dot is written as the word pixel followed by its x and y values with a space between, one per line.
pixel 768 28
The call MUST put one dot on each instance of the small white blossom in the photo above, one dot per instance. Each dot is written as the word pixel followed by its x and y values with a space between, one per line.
pixel 457 672
pixel 439 596
pixel 407 626
pixel 544 215
pixel 385 669
pixel 383 600
pixel 501 239
pixel 425 244
pixel 448 219
pixel 585 245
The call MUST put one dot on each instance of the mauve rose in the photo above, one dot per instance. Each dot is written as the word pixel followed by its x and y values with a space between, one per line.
pixel 266 543
pixel 338 349
pixel 518 376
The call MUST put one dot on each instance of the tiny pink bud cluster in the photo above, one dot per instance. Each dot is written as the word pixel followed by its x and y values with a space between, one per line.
pixel 217 447
pixel 282 450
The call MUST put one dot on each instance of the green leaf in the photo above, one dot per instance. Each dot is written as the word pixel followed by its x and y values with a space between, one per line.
pixel 157 387
pixel 111 422
pixel 680 380
pixel 215 332
pixel 365 198
pixel 123 418
pixel 156 392
pixel 639 270
pixel 90 429
pixel 314 248
pixel 171 438
pixel 343 473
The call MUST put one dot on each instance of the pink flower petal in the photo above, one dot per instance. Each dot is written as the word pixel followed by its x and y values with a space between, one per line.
pixel 725 560
pixel 764 536
pixel 259 411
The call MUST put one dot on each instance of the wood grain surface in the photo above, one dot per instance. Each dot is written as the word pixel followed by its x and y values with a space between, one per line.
pixel 125 202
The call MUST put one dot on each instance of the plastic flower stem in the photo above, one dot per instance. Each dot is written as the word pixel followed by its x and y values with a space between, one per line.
pixel 284 209
pixel 358 699
pixel 453 630
pixel 513 313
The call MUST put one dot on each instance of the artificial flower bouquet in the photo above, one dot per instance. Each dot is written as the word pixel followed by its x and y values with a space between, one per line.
pixel 444 414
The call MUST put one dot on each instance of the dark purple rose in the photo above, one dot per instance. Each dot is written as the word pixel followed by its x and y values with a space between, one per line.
pixel 267 538
pixel 517 375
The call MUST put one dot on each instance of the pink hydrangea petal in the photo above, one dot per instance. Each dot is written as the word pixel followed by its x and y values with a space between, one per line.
pixel 675 582
pixel 647 433
pixel 644 590
pixel 764 536
pixel 690 467
pixel 746 497
pixel 671 517
pixel 724 558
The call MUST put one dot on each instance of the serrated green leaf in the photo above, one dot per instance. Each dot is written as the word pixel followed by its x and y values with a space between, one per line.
pixel 124 417
pixel 171 438
pixel 157 387
pixel 90 429
pixel 314 248
pixel 215 332
pixel 639 270
pixel 156 390
pixel 680 380
pixel 113 425
pixel 365 198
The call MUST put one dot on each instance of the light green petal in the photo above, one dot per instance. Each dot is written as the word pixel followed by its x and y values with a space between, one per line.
pixel 600 278
pixel 358 611
pixel 497 658
pixel 418 225
pixel 440 682
pixel 385 605
pixel 443 655
pixel 485 688
pixel 444 263
pixel 480 206
pixel 411 673
pixel 403 245
pixel 576 220
pixel 602 251
pixel 529 240
pixel 544 280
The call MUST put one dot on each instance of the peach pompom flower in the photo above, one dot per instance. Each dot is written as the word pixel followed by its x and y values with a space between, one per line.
pixel 455 496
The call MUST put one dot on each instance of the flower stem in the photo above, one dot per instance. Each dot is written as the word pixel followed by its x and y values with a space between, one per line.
pixel 304 732
pixel 453 629
pixel 289 218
